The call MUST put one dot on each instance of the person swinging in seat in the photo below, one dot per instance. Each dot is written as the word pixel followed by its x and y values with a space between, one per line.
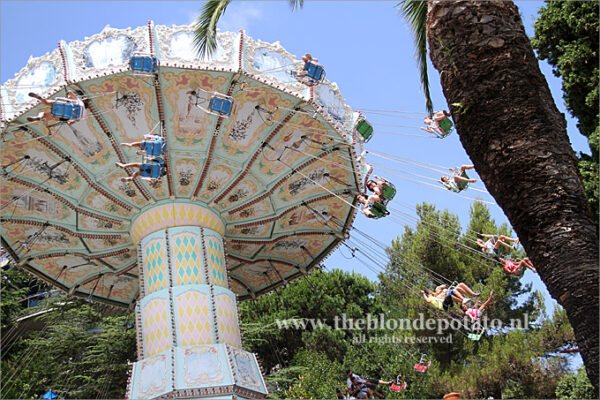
pixel 436 299
pixel 311 73
pixel 443 297
pixel 68 109
pixel 152 145
pixel 516 267
pixel 372 207
pixel 382 188
pixel 492 245
pixel 439 124
pixel 370 384
pixel 459 181
pixel 152 170
pixel 359 390
pixel 475 312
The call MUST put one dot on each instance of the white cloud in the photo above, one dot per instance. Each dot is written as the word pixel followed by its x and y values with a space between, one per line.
pixel 240 15
pixel 192 16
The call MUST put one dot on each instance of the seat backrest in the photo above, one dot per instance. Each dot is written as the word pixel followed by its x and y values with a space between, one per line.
pixel 214 104
pixel 445 125
pixel 64 109
pixel 379 210
pixel 388 192
pixel 313 70
pixel 220 105
pixel 364 129
pixel 154 148
pixel 398 388
pixel 226 107
pixel 143 63
pixel 462 185
pixel 318 73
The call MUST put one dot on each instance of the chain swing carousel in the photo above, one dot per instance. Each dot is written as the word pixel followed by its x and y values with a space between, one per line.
pixel 137 175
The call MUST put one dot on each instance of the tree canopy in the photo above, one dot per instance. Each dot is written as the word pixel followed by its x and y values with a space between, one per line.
pixel 566 35
pixel 82 353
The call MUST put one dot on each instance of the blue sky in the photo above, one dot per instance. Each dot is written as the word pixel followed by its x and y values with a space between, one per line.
pixel 365 47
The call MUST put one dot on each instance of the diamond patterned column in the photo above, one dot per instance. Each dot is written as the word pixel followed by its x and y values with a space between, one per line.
pixel 190 337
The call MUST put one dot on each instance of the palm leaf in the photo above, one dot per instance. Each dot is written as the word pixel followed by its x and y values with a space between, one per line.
pixel 295 4
pixel 205 32
pixel 415 12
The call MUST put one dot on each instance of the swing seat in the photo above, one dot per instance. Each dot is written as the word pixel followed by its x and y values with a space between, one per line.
pixel 476 335
pixel 379 210
pixel 220 105
pixel 143 64
pixel 364 129
pixel 312 75
pixel 314 71
pixel 154 145
pixel 461 185
pixel 398 386
pixel 389 191
pixel 515 272
pixel 445 126
pixel 153 170
pixel 67 109
pixel 423 364
pixel 422 367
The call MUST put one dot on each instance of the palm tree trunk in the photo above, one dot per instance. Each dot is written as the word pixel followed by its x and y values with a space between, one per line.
pixel 516 137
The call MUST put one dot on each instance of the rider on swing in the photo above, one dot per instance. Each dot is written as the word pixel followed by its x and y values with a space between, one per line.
pixel 50 116
pixel 516 267
pixel 492 245
pixel 459 180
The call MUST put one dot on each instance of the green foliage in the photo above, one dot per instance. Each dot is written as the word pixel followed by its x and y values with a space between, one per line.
pixel 82 353
pixel 575 386
pixel 566 35
pixel 320 295
pixel 318 378
pixel 15 286
pixel 79 353
pixel 310 361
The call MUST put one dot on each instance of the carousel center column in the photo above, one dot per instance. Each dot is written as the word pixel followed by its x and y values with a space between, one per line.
pixel 188 335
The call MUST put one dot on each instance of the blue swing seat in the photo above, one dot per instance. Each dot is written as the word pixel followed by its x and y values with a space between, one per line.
pixel 67 109
pixel 154 145
pixel 220 105
pixel 143 64
pixel 314 71
pixel 153 169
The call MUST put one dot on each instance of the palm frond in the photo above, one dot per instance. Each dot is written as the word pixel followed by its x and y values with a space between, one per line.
pixel 415 12
pixel 295 4
pixel 205 32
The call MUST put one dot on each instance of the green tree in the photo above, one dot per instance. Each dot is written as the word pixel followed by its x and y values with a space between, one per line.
pixel 506 362
pixel 323 296
pixel 566 35
pixel 575 386
pixel 80 354
pixel 311 362
pixel 436 252
pixel 517 364
pixel 15 285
